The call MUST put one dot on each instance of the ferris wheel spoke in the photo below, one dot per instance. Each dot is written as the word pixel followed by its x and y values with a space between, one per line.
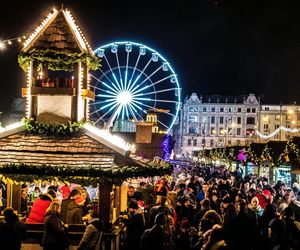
pixel 116 89
pixel 101 118
pixel 119 69
pixel 142 72
pixel 156 109
pixel 126 70
pixel 134 69
pixel 99 102
pixel 155 100
pixel 148 77
pixel 123 112
pixel 153 84
pixel 154 92
pixel 132 106
pixel 126 111
pixel 132 112
pixel 108 105
pixel 160 122
pixel 111 70
pixel 105 84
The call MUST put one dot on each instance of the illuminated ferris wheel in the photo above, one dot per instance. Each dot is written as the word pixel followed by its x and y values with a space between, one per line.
pixel 133 80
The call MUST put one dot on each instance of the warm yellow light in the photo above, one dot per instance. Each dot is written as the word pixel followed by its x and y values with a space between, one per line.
pixel 290 111
pixel 265 118
pixel 293 122
pixel 2 45
pixel 9 42
pixel 233 125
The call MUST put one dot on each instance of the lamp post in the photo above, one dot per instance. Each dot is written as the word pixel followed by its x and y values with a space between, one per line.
pixel 203 132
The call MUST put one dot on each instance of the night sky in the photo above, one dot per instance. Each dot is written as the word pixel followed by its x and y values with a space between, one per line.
pixel 216 47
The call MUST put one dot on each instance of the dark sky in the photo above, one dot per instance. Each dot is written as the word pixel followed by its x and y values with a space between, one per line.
pixel 216 47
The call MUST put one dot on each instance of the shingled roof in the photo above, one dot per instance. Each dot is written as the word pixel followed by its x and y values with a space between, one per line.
pixel 58 31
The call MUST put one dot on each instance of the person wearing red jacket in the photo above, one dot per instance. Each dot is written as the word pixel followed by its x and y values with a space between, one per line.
pixel 39 207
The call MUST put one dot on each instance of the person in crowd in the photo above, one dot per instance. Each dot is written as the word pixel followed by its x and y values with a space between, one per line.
pixel 269 214
pixel 55 235
pixel 205 206
pixel 39 207
pixel 2 200
pixel 132 194
pixel 292 231
pixel 229 213
pixel 73 207
pixel 12 232
pixel 216 239
pixel 254 210
pixel 203 193
pixel 65 191
pixel 245 239
pixel 135 224
pixel 154 238
pixel 91 239
pixel 36 193
pixel 278 235
pixel 24 202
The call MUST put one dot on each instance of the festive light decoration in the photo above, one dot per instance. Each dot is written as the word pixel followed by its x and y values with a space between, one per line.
pixel 167 146
pixel 29 84
pixel 39 29
pixel 10 41
pixel 275 132
pixel 113 139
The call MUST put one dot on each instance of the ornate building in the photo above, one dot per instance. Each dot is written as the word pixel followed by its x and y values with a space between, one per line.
pixel 216 121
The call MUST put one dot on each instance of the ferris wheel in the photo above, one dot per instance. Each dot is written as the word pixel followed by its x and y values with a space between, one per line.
pixel 133 80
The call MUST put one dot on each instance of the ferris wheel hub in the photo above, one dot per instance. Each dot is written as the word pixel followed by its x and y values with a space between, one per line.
pixel 124 97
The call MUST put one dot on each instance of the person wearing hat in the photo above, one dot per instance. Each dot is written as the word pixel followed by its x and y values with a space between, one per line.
pixel 135 226
pixel 73 206
pixel 39 207
pixel 154 238
pixel 12 232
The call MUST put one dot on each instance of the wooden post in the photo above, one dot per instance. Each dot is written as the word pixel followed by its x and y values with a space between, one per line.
pixel 74 98
pixel 104 203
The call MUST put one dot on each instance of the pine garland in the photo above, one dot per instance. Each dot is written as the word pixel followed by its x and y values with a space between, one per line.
pixel 58 60
pixel 51 129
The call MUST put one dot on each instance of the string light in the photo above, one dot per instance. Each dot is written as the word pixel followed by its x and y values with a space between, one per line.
pixel 275 132
pixel 10 41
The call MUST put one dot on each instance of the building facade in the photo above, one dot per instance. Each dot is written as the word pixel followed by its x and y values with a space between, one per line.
pixel 278 122
pixel 216 121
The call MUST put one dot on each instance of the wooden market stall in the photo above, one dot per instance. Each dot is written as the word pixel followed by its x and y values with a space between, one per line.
pixel 56 141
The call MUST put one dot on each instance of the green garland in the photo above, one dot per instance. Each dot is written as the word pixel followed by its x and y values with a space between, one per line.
pixel 57 60
pixel 51 129
pixel 80 174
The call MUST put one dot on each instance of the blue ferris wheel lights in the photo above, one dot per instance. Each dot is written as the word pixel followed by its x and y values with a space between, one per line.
pixel 128 47
pixel 154 57
pixel 114 48
pixel 142 51
pixel 100 52
pixel 173 79
pixel 165 66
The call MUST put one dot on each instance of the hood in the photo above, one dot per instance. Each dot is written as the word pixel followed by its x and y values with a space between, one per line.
pixel 96 223
pixel 256 208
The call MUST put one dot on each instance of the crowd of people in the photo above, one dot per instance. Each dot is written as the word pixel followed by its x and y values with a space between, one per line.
pixel 212 208
pixel 73 207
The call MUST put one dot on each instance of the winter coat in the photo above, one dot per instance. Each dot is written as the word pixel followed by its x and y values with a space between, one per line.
pixel 242 239
pixel 74 213
pixel 92 236
pixel 55 235
pixel 11 235
pixel 153 238
pixel 38 210
pixel 64 208
pixel 135 228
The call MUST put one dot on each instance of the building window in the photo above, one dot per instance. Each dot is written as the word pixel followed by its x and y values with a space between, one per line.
pixel 213 109
pixel 276 126
pixel 239 120
pixel 221 119
pixel 221 131
pixel 193 118
pixel 239 110
pixel 248 110
pixel 288 126
pixel 229 120
pixel 229 110
pixel 212 131
pixel 212 143
pixel 266 126
pixel 253 110
pixel 229 142
pixel 238 131
pixel 230 131
pixel 221 110
pixel 203 142
pixel 267 108
pixel 189 142
pixel 192 130
pixel 250 120
pixel 195 142
pixel 191 109
pixel 212 120
pixel 204 109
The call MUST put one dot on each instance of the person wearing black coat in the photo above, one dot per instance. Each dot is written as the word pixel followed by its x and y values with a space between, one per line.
pixel 12 232
pixel 242 230
pixel 154 237
pixel 55 235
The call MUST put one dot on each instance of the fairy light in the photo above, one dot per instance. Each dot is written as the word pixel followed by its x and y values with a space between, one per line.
pixel 109 138
pixel 88 101
pixel 40 28
pixel 275 132
pixel 28 102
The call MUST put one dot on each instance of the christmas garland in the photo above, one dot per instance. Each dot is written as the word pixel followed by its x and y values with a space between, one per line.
pixel 57 60
pixel 51 129
pixel 81 174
